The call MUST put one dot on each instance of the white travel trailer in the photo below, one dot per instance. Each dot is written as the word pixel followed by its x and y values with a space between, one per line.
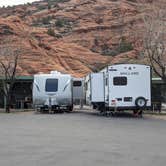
pixel 121 87
pixel 52 92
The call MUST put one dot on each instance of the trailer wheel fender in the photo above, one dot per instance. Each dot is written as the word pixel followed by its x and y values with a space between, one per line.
pixel 140 102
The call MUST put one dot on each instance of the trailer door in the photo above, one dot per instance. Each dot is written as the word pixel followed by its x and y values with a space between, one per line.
pixel 97 87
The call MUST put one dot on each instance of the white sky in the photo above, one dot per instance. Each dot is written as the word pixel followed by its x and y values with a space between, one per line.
pixel 14 2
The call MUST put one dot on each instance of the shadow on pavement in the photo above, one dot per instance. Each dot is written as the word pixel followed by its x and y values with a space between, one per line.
pixel 96 113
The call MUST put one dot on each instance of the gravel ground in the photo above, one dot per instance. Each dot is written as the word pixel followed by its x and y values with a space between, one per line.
pixel 81 138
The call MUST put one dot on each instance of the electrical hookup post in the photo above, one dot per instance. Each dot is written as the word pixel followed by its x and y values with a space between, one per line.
pixel 113 110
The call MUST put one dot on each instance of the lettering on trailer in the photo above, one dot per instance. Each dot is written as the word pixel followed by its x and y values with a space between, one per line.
pixel 129 73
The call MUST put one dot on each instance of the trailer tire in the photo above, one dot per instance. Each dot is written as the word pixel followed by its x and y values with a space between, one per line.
pixel 140 102
pixel 70 109
pixel 94 106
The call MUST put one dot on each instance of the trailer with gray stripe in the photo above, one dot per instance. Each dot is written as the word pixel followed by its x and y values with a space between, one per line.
pixel 53 92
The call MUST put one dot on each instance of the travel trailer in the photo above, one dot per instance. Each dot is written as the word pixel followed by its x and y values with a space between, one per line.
pixel 52 92
pixel 120 87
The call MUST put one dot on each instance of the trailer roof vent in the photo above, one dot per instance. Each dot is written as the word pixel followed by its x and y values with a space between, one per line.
pixel 55 72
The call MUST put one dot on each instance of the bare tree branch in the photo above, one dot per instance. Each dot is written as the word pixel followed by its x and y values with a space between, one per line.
pixel 9 56
pixel 155 37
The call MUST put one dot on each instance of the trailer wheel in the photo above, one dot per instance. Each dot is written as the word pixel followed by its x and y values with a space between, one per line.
pixel 140 102
pixel 69 109
pixel 94 106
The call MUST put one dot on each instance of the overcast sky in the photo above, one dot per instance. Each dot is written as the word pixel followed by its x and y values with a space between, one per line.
pixel 14 2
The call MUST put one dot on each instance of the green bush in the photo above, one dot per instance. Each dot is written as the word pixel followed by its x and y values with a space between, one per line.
pixel 46 20
pixel 51 32
pixel 57 1
pixel 49 6
pixel 110 52
pixel 60 23
pixel 41 7
pixel 29 4
pixel 54 2
pixel 124 46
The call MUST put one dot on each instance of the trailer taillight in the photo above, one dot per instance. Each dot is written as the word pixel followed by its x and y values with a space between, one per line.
pixel 113 102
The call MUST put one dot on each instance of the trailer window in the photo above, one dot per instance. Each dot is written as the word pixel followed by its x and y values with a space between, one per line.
pixel 51 85
pixel 77 83
pixel 120 81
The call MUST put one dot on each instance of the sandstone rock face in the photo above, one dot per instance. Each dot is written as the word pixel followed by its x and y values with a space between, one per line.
pixel 72 36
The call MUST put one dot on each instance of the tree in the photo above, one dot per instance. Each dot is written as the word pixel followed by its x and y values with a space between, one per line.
pixel 154 44
pixel 9 56
pixel 52 2
pixel 49 5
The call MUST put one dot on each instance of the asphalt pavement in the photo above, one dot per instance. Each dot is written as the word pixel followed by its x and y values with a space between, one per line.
pixel 81 138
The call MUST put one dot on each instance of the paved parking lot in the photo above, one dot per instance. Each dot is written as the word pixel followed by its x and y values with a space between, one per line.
pixel 81 138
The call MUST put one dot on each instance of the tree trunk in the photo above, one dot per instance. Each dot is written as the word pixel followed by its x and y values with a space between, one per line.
pixel 8 103
pixel 7 108
pixel 164 80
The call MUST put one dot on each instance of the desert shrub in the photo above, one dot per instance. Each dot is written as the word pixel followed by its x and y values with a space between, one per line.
pixel 58 36
pixel 49 5
pixel 51 32
pixel 61 23
pixel 94 49
pixel 53 3
pixel 124 46
pixel 132 0
pixel 57 1
pixel 41 7
pixel 46 20
pixel 29 4
pixel 110 52
pixel 36 22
